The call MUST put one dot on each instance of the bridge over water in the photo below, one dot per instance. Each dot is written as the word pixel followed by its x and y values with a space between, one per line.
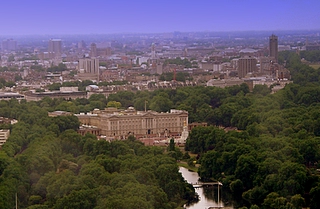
pixel 201 184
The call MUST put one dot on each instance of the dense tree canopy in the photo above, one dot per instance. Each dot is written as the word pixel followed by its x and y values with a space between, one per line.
pixel 271 160
pixel 49 165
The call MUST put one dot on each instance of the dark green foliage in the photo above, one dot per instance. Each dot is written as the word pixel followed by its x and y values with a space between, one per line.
pixel 178 61
pixel 61 67
pixel 66 122
pixel 312 56
pixel 49 165
pixel 204 138
pixel 271 162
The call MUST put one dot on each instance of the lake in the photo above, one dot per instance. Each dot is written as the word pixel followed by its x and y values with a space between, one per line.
pixel 208 196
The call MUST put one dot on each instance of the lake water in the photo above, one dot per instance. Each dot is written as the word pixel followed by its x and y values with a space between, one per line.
pixel 208 196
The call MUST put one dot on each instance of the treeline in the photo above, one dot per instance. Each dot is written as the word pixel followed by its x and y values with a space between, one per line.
pixel 4 83
pixel 204 104
pixel 311 56
pixel 183 62
pixel 271 161
pixel 6 69
pixel 57 68
pixel 180 76
pixel 47 164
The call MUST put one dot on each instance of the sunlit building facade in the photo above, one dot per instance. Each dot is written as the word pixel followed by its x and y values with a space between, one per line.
pixel 119 124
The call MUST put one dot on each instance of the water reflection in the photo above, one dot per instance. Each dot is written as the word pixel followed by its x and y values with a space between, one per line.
pixel 208 196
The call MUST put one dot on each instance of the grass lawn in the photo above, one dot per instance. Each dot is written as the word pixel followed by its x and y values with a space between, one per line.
pixel 315 66
pixel 185 165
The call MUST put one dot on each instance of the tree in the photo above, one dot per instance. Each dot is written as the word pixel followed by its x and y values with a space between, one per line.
pixel 98 97
pixel 83 199
pixel 114 104
pixel 171 145
pixel 261 89
pixel 297 201
pixel 292 177
pixel 66 122
pixel 161 103
pixel 4 161
pixel 246 170
pixel 314 197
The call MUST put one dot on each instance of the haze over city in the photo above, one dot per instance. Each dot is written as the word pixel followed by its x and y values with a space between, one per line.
pixel 20 17
pixel 160 104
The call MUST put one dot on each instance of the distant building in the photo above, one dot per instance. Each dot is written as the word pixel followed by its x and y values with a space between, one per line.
pixel 246 65
pixel 4 135
pixel 159 68
pixel 273 47
pixel 36 96
pixel 100 50
pixel 10 95
pixel 108 51
pixel 211 66
pixel 81 45
pixel 153 52
pixel 89 69
pixel 59 113
pixel 92 88
pixel 46 55
pixel 265 63
pixel 55 46
pixel 9 45
pixel 249 52
pixel 93 50
pixel 312 47
pixel 222 83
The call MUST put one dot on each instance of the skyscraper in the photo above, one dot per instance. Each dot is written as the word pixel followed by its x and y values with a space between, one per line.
pixel 273 47
pixel 55 47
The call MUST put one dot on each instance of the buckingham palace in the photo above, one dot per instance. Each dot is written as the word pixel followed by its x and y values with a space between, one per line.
pixel 117 123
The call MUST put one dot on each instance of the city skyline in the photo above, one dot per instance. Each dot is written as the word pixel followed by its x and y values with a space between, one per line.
pixel 33 17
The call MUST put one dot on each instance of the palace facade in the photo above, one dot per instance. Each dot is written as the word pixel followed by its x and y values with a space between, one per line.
pixel 119 124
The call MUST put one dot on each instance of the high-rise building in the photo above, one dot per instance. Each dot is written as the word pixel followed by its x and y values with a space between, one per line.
pixel 273 47
pixel 9 45
pixel 89 65
pixel 81 45
pixel 246 65
pixel 55 47
pixel 153 51
pixel 108 51
pixel 89 69
pixel 93 50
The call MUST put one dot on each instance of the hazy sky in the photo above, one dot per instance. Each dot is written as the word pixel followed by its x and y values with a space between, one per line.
pixel 19 17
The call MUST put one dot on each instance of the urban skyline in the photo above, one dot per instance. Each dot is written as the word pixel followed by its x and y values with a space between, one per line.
pixel 142 16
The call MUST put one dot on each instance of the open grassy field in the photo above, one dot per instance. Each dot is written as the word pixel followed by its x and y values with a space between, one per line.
pixel 191 168
pixel 315 66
